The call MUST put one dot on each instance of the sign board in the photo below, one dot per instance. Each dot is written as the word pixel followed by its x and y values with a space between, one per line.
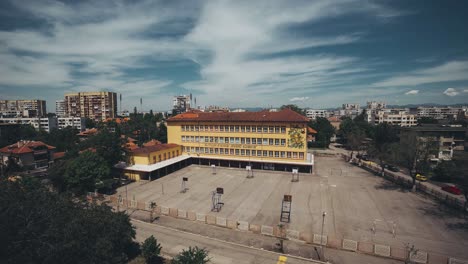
pixel 248 168
pixel 287 198
pixel 220 190
pixel 295 170
pixel 212 165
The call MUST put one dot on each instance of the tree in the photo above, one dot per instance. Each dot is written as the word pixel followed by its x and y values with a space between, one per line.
pixel 324 131
pixel 151 251
pixel 90 123
pixel 383 144
pixel 162 133
pixel 108 145
pixel 445 171
pixel 295 108
pixel 355 141
pixel 85 172
pixel 39 226
pixel 414 152
pixel 193 255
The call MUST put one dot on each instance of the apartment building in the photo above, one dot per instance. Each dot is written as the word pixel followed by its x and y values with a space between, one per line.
pixel 374 105
pixel 314 113
pixel 399 117
pixel 28 154
pixel 94 105
pixel 439 112
pixel 23 108
pixel 60 108
pixel 351 107
pixel 75 122
pixel 43 123
pixel 264 140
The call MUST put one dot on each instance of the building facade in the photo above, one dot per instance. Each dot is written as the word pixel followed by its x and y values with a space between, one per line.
pixel 75 122
pixel 94 105
pixel 60 108
pixel 314 113
pixel 264 140
pixel 44 123
pixel 397 117
pixel 439 112
pixel 180 104
pixel 23 108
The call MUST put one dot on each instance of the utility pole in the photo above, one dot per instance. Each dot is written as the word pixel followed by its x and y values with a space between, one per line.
pixel 321 236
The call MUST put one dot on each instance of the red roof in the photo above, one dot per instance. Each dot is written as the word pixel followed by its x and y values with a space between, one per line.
pixel 311 130
pixel 22 147
pixel 152 143
pixel 58 155
pixel 88 132
pixel 149 149
pixel 285 115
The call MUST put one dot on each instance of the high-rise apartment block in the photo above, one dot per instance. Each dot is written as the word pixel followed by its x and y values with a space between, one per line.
pixel 60 108
pixel 373 105
pixel 180 104
pixel 23 108
pixel 94 105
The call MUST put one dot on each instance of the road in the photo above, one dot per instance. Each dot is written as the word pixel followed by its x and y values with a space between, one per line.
pixel 173 241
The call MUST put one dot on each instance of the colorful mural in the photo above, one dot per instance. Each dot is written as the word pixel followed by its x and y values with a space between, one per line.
pixel 296 138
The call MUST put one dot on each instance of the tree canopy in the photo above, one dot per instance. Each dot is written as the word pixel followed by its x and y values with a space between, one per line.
pixel 39 226
pixel 192 255
pixel 294 107
pixel 151 251
pixel 324 131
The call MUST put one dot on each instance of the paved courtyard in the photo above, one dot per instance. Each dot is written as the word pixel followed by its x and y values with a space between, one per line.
pixel 356 203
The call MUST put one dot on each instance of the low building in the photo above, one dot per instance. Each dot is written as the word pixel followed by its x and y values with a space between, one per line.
pixel 314 113
pixel 28 154
pixel 145 162
pixel 75 122
pixel 44 123
pixel 447 138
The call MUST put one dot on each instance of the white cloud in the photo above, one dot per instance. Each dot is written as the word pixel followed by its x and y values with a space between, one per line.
pixel 299 99
pixel 449 71
pixel 412 92
pixel 465 91
pixel 451 92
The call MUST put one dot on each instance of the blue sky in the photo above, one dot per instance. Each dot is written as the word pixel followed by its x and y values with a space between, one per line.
pixel 237 53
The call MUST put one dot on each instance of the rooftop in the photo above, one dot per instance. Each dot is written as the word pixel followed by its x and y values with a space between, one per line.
pixel 285 115
pixel 431 127
pixel 23 146
pixel 153 148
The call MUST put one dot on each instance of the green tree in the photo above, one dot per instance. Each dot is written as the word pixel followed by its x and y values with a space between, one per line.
pixel 39 226
pixel 162 133
pixel 355 141
pixel 193 255
pixel 151 251
pixel 108 145
pixel 383 144
pixel 446 171
pixel 85 172
pixel 324 131
pixel 90 123
pixel 294 107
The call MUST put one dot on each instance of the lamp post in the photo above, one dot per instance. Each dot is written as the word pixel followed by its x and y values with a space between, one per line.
pixel 321 236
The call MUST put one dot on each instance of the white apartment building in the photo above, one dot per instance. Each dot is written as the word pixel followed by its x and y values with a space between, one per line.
pixel 399 117
pixel 44 123
pixel 374 105
pixel 314 113
pixel 60 108
pixel 75 122
pixel 351 107
pixel 439 112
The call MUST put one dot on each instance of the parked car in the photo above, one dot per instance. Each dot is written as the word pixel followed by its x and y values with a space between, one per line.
pixel 452 189
pixel 392 168
pixel 420 177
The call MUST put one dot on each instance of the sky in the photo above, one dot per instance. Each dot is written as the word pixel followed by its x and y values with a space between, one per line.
pixel 315 54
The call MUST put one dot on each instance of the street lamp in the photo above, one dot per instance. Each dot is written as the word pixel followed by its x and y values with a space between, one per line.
pixel 321 236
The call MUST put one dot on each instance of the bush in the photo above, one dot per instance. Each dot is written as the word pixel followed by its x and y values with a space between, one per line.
pixel 192 256
pixel 151 251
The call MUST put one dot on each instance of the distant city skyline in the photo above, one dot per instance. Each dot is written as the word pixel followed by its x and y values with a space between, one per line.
pixel 238 54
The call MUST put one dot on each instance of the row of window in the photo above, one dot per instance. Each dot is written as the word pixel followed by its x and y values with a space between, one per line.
pixel 236 140
pixel 242 129
pixel 166 155
pixel 245 152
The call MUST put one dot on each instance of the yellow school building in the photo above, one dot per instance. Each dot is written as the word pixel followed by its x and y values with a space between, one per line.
pixel 263 140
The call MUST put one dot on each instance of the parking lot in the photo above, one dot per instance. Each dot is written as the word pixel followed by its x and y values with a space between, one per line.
pixel 359 205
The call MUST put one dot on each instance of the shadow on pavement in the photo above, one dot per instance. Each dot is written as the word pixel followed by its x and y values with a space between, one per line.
pixel 390 186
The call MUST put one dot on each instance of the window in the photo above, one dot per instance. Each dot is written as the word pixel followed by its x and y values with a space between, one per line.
pixel 211 139
pixel 247 152
pixel 247 129
pixel 207 150
pixel 183 138
pixel 270 153
pixel 166 156
pixel 221 128
pixel 254 141
pixel 283 142
pixel 196 128
pixel 202 139
pixel 216 128
pixel 276 154
pixel 197 149
pixel 231 140
pixel 242 140
pixel 197 139
pixel 254 152
pixel 283 129
pixel 216 151
pixel 206 128
pixel 254 129
pixel 301 155
pixel 192 128
pixel 277 142
pixel 242 128
pixel 183 128
pixel 259 141
pixel 154 159
pixel 226 140
pixel 159 157
pixel 259 129
pixel 294 155
pixel 221 151
pixel 207 139
pixel 259 153
pixel 192 138
pixel 231 128
pixel 202 128
pixel 237 128
pixel 177 152
pixel 277 129
pixel 237 140
pixel 247 141
pixel 226 128
pixel 237 152
pixel 265 141
pixel 289 155
pixel 270 142
pixel 211 128
pixel 242 152
pixel 265 129
pixel 231 151
pixel 211 150
pixel 265 153
pixel 283 154
pixel 272 129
